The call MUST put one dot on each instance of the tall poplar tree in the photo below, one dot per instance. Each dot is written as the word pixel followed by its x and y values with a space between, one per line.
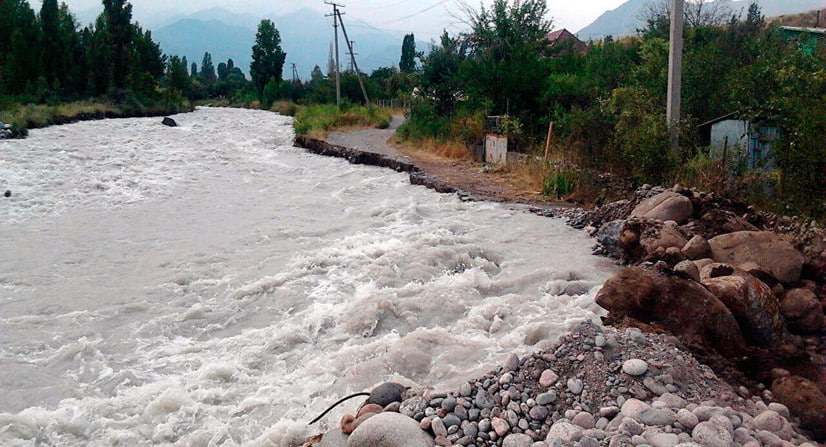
pixel 267 56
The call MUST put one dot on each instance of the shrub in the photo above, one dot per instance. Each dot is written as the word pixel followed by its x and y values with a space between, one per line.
pixel 383 124
pixel 559 183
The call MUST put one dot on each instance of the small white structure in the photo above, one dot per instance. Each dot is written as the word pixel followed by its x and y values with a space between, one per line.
pixel 496 140
pixel 741 142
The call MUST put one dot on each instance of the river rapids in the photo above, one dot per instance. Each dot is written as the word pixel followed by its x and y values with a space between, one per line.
pixel 212 285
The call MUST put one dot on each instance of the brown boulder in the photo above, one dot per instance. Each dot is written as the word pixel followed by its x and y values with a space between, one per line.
pixel 804 400
pixel 696 248
pixel 766 249
pixel 802 310
pixel 673 304
pixel 753 305
pixel 666 206
pixel 716 270
pixel 665 237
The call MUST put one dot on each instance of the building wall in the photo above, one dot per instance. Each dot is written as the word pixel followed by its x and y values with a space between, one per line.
pixel 733 131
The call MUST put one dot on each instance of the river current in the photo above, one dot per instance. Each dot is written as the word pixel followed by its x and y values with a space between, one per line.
pixel 211 285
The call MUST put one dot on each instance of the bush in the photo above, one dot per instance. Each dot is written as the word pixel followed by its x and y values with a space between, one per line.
pixel 560 183
pixel 285 108
pixel 383 124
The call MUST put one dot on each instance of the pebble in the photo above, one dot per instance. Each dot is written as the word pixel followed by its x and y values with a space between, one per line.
pixel 449 403
pixel 711 435
pixel 655 416
pixel 500 426
pixel 517 440
pixel 687 418
pixel 662 439
pixel 599 341
pixel 575 386
pixel 584 420
pixel 546 398
pixel 780 409
pixel 634 367
pixel 438 427
pixel 539 413
pixel 769 421
pixel 548 378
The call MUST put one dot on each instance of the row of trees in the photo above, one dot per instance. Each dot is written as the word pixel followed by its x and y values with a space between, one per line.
pixel 609 102
pixel 48 54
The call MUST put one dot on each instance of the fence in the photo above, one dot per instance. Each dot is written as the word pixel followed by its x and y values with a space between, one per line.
pixel 393 103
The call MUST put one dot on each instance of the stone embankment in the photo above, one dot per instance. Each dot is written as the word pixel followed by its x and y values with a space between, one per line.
pixel 598 386
pixel 743 289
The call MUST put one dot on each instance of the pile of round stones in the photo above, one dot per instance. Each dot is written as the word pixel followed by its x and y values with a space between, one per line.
pixel 602 387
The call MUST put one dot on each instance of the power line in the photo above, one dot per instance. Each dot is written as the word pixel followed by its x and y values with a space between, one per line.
pixel 410 16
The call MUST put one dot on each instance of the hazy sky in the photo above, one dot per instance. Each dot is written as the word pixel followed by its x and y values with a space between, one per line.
pixel 426 18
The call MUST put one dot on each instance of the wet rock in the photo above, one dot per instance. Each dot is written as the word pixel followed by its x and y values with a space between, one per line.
pixel 767 249
pixel 167 121
pixel 802 310
pixel 696 248
pixel 333 438
pixel 389 430
pixel 666 206
pixel 608 236
pixel 673 303
pixel 665 238
pixel 634 367
pixel 386 393
pixel 753 305
pixel 7 193
pixel 805 401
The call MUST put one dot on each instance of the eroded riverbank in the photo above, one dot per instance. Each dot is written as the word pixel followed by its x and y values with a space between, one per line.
pixel 213 283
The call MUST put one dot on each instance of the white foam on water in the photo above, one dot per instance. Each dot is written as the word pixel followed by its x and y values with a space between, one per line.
pixel 223 287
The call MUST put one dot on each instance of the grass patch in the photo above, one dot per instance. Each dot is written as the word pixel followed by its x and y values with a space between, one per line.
pixel 316 120
pixel 34 116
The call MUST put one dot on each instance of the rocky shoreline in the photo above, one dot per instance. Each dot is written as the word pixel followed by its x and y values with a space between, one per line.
pixel 739 290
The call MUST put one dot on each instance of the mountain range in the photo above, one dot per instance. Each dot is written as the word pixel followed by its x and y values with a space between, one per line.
pixel 628 17
pixel 306 36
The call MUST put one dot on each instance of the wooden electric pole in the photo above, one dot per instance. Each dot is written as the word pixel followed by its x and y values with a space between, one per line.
pixel 675 71
pixel 353 59
pixel 335 15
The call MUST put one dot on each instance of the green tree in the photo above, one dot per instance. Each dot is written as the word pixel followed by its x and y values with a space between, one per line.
pixel 118 31
pixel 407 64
pixel 19 43
pixel 267 56
pixel 51 45
pixel 223 71
pixel 440 74
pixel 177 75
pixel 207 75
pixel 194 70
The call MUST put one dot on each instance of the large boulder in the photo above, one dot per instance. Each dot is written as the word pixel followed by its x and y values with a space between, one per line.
pixel 386 393
pixel 753 305
pixel 169 122
pixel 389 429
pixel 665 206
pixel 609 237
pixel 673 304
pixel 696 248
pixel 645 239
pixel 768 250
pixel 662 239
pixel 802 310
pixel 804 400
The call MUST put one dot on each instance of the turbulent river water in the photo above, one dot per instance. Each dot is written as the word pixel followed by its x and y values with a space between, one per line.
pixel 210 284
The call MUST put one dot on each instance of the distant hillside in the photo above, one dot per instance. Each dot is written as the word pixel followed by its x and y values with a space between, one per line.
pixel 625 20
pixel 806 19
pixel 305 34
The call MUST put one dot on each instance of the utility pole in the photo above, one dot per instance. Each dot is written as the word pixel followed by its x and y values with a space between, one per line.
pixel 352 47
pixel 675 71
pixel 353 59
pixel 335 15
pixel 295 74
